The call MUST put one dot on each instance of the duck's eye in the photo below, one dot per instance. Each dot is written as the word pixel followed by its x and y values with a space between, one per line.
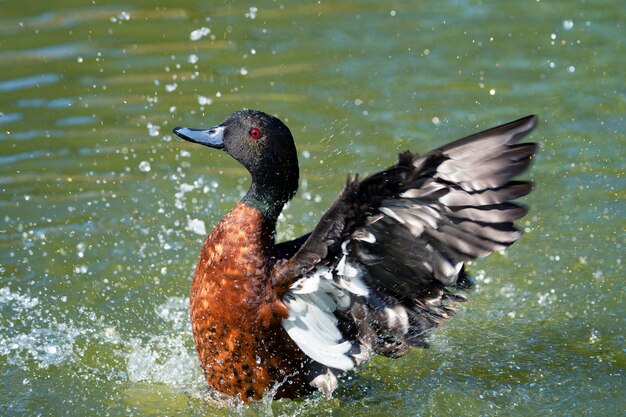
pixel 255 133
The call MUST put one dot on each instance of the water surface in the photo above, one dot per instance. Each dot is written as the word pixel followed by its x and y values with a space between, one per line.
pixel 103 211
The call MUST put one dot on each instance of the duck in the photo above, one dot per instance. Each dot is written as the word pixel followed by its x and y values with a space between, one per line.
pixel 383 267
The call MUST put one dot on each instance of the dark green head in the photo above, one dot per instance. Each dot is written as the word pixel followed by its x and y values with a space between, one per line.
pixel 264 146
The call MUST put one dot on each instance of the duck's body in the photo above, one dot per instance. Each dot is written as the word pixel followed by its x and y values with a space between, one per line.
pixel 374 276
pixel 236 314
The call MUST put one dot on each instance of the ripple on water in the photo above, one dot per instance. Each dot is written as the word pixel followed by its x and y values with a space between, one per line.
pixel 6 118
pixel 29 82
pixel 55 103
pixel 75 121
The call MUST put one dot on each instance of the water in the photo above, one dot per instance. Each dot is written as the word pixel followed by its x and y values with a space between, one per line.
pixel 103 211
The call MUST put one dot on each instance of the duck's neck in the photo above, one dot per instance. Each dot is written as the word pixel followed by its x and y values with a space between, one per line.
pixel 267 201
pixel 273 186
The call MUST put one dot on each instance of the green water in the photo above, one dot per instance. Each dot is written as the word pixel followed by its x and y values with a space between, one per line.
pixel 101 207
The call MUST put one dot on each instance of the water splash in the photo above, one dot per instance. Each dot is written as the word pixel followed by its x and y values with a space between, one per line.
pixel 34 336
pixel 49 345
pixel 162 359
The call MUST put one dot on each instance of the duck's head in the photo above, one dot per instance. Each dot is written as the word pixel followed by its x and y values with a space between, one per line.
pixel 264 146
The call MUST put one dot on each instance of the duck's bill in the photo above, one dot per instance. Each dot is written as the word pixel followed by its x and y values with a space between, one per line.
pixel 212 137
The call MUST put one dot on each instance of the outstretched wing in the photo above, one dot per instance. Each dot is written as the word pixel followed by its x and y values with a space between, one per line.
pixel 373 275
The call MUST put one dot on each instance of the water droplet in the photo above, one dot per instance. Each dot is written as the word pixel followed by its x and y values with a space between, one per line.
pixel 144 166
pixel 202 100
pixel 252 12
pixel 80 249
pixel 153 130
pixel 198 34
pixel 197 226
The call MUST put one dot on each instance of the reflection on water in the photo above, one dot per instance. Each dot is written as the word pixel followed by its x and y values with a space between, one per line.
pixel 103 210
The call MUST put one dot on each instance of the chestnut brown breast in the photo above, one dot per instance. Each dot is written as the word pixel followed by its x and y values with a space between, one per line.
pixel 236 313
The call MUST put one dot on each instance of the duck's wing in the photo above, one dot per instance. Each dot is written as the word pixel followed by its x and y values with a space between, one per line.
pixel 285 250
pixel 372 275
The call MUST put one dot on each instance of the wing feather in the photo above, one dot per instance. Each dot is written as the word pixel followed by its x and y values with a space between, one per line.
pixel 377 273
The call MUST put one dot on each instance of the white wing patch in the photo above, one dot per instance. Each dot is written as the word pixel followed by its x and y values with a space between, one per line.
pixel 312 302
pixel 316 332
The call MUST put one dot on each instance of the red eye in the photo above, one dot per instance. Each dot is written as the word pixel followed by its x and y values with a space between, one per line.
pixel 255 133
